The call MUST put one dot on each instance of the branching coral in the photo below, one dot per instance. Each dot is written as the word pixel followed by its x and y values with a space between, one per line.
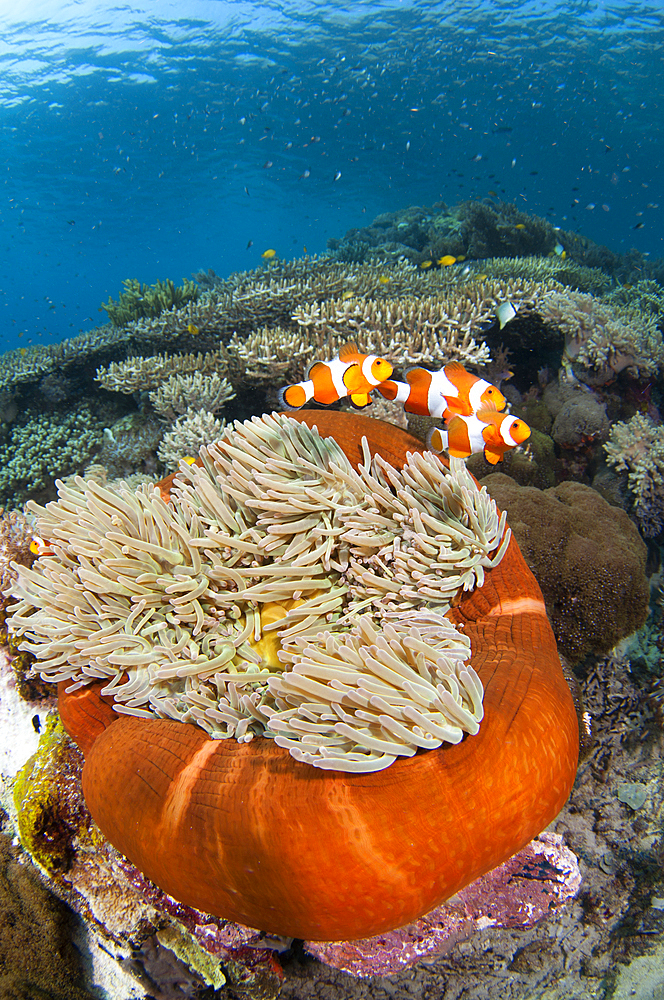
pixel 547 270
pixel 143 374
pixel 140 300
pixel 603 340
pixel 187 436
pixel 258 587
pixel 39 448
pixel 637 446
pixel 435 328
pixel 181 393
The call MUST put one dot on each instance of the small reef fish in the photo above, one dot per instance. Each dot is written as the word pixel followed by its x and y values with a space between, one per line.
pixel 447 260
pixel 193 329
pixel 426 263
pixel 349 374
pixel 560 251
pixel 488 431
pixel 504 313
pixel 268 254
pixel 39 547
pixel 447 393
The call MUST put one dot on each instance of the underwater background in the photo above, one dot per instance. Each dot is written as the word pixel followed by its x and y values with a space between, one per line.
pixel 199 200
pixel 153 140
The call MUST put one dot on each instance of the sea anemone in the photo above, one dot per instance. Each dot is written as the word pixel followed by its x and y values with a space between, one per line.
pixel 283 593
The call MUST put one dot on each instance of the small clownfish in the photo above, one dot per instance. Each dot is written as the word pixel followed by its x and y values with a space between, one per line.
pixel 488 431
pixel 446 393
pixel 349 374
pixel 39 547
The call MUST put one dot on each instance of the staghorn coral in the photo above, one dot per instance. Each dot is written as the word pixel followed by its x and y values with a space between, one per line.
pixel 140 300
pixel 409 329
pixel 547 270
pixel 187 436
pixel 182 393
pixel 637 446
pixel 647 295
pixel 603 340
pixel 270 354
pixel 142 374
pixel 39 448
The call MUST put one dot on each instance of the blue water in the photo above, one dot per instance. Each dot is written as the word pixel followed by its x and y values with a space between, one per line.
pixel 150 140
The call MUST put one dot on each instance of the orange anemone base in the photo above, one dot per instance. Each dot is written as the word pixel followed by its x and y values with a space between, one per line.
pixel 245 832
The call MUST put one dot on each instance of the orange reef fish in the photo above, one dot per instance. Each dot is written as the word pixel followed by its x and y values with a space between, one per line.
pixel 349 374
pixel 449 392
pixel 488 430
pixel 39 547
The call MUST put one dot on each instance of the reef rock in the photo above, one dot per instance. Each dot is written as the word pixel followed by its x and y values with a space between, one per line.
pixel 587 556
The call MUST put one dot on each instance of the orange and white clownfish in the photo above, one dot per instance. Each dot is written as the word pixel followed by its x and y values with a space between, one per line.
pixel 447 393
pixel 349 374
pixel 489 431
pixel 39 547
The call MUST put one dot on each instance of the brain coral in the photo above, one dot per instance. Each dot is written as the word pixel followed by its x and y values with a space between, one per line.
pixel 587 556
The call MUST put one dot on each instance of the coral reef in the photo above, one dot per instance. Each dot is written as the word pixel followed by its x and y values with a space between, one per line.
pixel 637 446
pixel 188 434
pixel 534 883
pixel 138 374
pixel 603 340
pixel 587 556
pixel 138 300
pixel 38 448
pixel 16 531
pixel 182 393
pixel 130 445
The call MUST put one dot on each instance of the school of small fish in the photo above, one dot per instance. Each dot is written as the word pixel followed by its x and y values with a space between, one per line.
pixel 471 408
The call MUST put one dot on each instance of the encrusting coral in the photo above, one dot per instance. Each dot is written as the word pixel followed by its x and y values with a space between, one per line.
pixel 637 446
pixel 241 589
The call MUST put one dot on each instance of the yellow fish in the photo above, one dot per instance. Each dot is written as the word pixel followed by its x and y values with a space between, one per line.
pixel 189 459
pixel 447 260
pixel 520 225
pixel 426 263
pixel 460 258
pixel 268 254
pixel 348 295
pixel 193 330
pixel 383 280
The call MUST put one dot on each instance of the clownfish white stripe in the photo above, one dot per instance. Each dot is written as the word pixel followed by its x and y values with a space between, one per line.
pixel 476 392
pixel 366 370
pixel 338 369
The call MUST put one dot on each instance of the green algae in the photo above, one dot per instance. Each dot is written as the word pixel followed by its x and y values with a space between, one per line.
pixel 49 802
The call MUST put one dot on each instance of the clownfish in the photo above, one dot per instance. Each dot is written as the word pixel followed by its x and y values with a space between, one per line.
pixel 489 431
pixel 349 374
pixel 450 392
pixel 39 547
